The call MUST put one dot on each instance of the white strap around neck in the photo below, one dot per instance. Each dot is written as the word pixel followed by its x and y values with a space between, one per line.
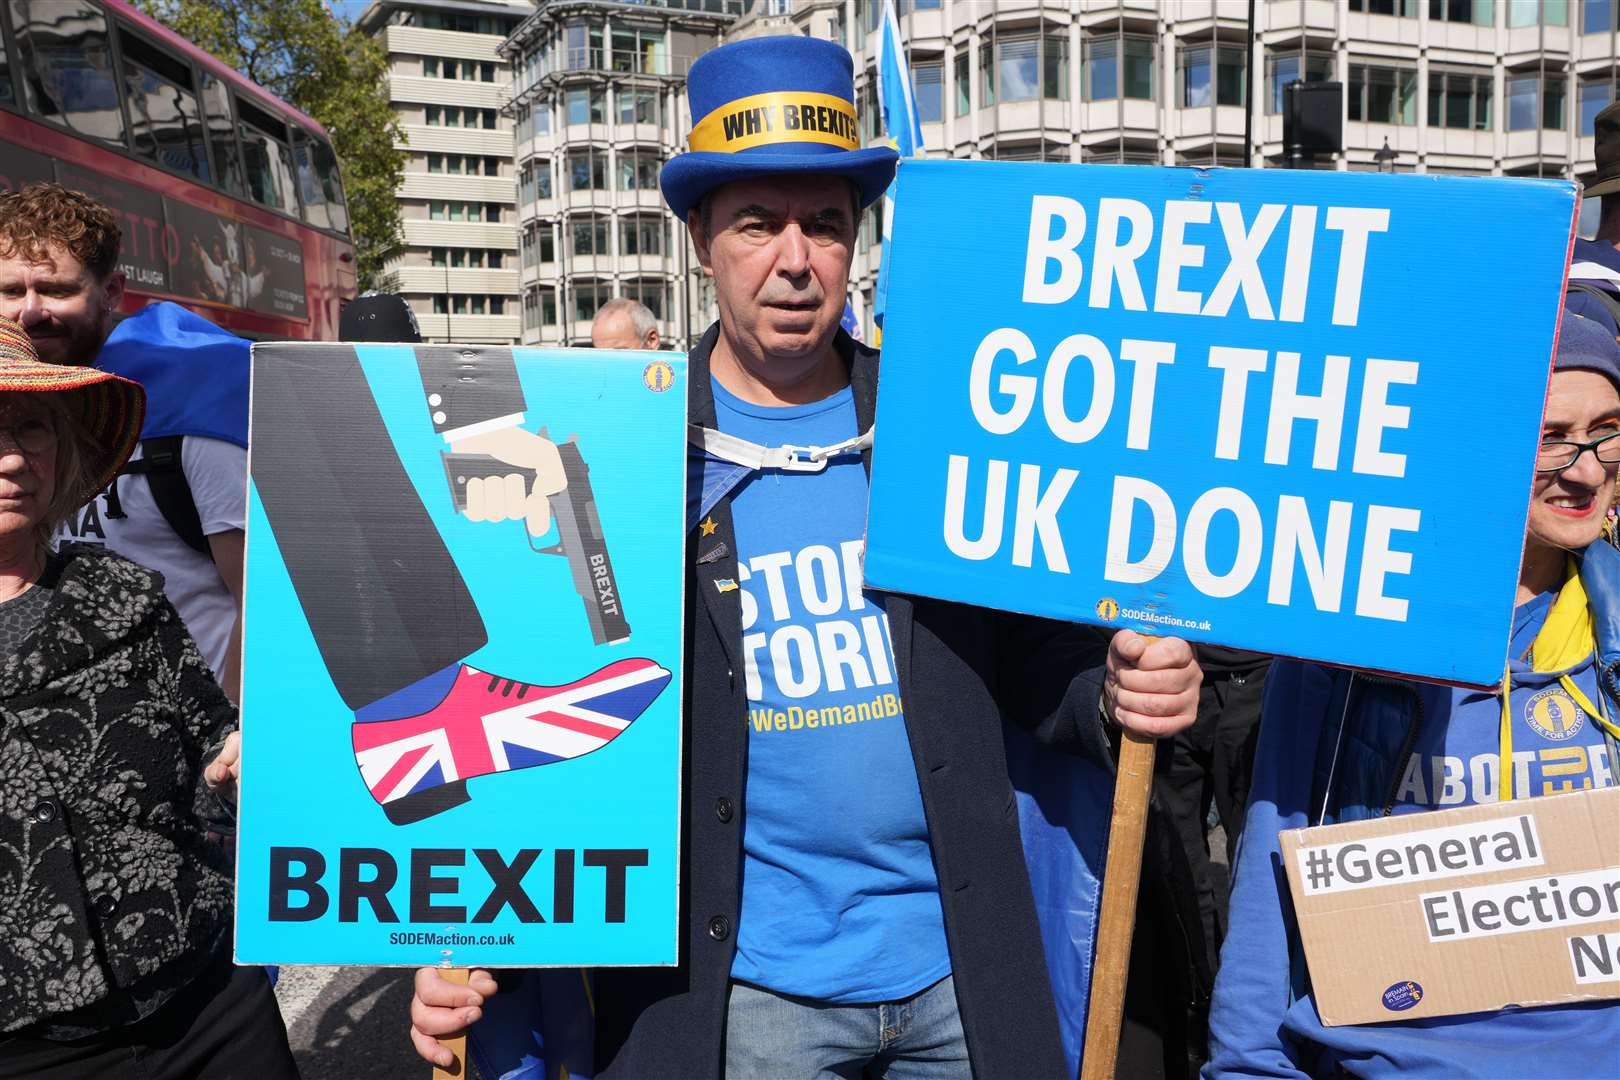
pixel 786 458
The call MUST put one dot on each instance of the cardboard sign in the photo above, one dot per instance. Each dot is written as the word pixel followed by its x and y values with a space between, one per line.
pixel 1460 911
pixel 461 741
pixel 1295 412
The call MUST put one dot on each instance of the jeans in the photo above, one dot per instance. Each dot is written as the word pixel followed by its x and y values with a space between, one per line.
pixel 769 1036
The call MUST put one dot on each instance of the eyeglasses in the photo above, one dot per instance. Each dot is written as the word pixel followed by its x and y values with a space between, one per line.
pixel 1558 456
pixel 29 436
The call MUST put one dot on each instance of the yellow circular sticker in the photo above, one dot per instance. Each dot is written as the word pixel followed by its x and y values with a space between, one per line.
pixel 1107 609
pixel 658 376
pixel 1554 714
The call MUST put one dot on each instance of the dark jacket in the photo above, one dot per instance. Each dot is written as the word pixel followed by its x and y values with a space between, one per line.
pixel 111 894
pixel 962 672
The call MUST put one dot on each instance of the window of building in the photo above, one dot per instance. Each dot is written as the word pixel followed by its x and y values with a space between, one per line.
pixel 650 291
pixel 928 83
pixel 165 119
pixel 638 105
pixel 548 306
pixel 1600 16
pixel 1595 95
pixel 590 294
pixel 459 22
pixel 1406 9
pixel 587 170
pixel 963 78
pixel 456 116
pixel 1024 68
pixel 867 110
pixel 638 168
pixel 461 210
pixel 582 47
pixel 1209 70
pixel 548 243
pixel 642 234
pixel 542 119
pixel 1531 12
pixel 1284 68
pixel 1120 153
pixel 1118 67
pixel 469 304
pixel 585 105
pixel 1382 95
pixel 1534 101
pixel 1459 100
pixel 639 50
pixel 67 66
pixel 1478 12
pixel 590 235
pixel 1038 150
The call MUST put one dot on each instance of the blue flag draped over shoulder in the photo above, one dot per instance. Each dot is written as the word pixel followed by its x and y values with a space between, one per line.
pixel 195 374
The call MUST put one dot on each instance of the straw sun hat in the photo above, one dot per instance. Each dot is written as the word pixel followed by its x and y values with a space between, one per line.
pixel 109 408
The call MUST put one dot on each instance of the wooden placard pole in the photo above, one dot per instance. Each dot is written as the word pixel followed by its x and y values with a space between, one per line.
pixel 456 1044
pixel 1122 875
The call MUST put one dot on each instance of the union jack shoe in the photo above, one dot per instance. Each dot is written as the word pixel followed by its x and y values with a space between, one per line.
pixel 418 766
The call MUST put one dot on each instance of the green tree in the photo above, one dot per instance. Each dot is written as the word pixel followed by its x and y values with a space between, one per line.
pixel 299 51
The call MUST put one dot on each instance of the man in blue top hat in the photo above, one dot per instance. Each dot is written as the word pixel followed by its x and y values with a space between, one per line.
pixel 855 897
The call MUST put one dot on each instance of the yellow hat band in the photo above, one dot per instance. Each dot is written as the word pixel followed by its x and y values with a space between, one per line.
pixel 782 117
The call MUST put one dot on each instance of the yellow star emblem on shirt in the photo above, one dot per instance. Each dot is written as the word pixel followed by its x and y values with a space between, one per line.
pixel 708 526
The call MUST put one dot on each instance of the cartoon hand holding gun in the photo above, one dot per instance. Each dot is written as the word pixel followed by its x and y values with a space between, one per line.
pixel 510 474
pixel 523 491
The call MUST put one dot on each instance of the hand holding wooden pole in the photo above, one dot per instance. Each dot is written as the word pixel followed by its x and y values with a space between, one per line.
pixel 456 1044
pixel 1121 877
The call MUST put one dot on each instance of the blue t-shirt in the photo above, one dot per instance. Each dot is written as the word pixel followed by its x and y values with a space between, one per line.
pixel 840 902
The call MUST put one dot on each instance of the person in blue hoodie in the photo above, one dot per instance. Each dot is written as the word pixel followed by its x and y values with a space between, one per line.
pixel 1344 746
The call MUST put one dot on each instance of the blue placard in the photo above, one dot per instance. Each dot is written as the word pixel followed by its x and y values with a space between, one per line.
pixel 1294 412
pixel 461 741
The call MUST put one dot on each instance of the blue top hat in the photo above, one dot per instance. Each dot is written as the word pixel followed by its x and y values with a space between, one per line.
pixel 772 105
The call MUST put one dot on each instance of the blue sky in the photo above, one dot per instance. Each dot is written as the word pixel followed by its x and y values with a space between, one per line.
pixel 348 9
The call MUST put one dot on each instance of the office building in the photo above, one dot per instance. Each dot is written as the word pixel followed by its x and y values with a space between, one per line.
pixel 598 102
pixel 447 83
pixel 1502 87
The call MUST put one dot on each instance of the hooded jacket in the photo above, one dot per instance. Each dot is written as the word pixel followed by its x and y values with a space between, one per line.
pixel 1402 748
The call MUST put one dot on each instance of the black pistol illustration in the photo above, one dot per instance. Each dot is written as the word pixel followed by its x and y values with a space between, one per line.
pixel 579 532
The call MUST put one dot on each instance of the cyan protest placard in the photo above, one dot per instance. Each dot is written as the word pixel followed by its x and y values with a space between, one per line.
pixel 1295 412
pixel 462 646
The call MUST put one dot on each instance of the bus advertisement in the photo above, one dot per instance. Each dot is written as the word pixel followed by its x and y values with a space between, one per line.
pixel 230 199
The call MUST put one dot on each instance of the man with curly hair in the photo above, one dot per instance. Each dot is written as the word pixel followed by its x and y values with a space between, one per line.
pixel 59 274
pixel 180 505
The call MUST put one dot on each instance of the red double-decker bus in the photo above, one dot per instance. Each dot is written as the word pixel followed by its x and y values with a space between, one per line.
pixel 231 199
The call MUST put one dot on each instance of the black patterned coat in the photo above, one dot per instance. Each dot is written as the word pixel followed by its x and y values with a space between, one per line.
pixel 111 894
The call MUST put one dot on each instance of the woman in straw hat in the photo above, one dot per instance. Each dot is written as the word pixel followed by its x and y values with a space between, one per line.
pixel 115 905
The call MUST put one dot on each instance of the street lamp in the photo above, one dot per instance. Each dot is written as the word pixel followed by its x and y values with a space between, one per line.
pixel 1385 157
